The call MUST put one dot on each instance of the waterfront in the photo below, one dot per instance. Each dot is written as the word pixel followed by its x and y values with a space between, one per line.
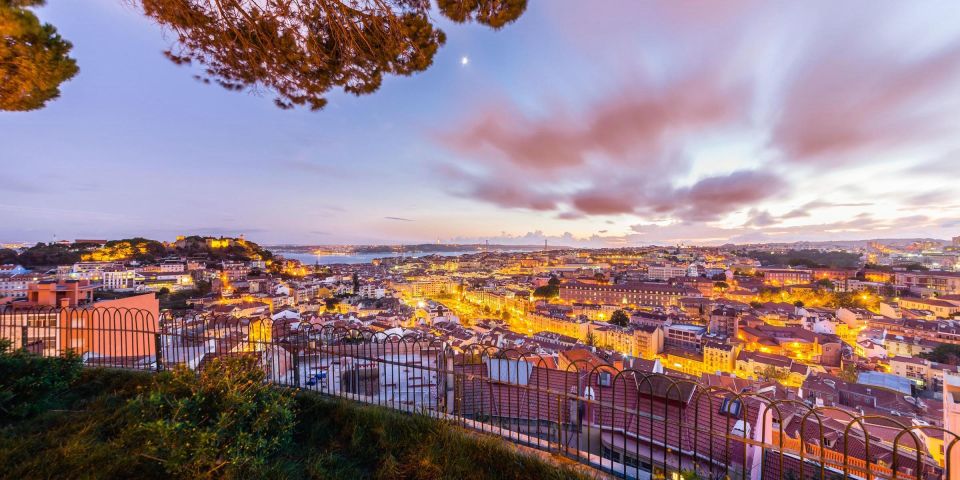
pixel 356 258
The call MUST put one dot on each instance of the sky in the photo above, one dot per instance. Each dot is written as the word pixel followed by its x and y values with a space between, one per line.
pixel 612 123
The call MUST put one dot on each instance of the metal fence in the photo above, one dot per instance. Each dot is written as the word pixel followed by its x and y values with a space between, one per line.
pixel 624 422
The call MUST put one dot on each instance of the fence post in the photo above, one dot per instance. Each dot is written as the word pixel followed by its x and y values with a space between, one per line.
pixel 158 346
pixel 296 368
pixel 560 448
pixel 24 332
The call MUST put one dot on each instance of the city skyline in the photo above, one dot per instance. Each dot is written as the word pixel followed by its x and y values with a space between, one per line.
pixel 667 239
pixel 740 122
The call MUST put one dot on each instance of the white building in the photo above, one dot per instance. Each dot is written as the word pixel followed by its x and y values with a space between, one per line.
pixel 121 279
pixel 15 286
pixel 665 272
pixel 172 267
pixel 372 291
pixel 92 271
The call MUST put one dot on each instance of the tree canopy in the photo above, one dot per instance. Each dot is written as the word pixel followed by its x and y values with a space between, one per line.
pixel 296 50
pixel 620 318
pixel 44 254
pixel 34 59
pixel 944 353
pixel 806 258
pixel 546 291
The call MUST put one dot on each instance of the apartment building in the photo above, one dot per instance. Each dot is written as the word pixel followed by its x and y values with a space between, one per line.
pixel 664 272
pixel 626 294
pixel 121 280
pixel 940 308
pixel 15 286
pixel 928 283
pixel 780 277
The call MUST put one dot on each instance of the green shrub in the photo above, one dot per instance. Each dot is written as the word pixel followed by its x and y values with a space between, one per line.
pixel 223 422
pixel 30 384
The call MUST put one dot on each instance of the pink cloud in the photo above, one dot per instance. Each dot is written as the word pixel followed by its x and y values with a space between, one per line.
pixel 838 94
pixel 632 123
pixel 847 97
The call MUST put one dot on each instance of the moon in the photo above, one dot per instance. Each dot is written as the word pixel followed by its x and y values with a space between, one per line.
pixel 464 60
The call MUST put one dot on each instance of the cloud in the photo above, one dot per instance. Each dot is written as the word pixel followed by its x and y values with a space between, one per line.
pixel 622 154
pixel 224 231
pixel 712 197
pixel 946 163
pixel 325 169
pixel 830 83
pixel 760 218
pixel 932 198
pixel 600 201
pixel 851 94
pixel 570 216
pixel 399 219
pixel 712 120
pixel 17 185
pixel 707 199
pixel 631 123
pixel 500 192
pixel 537 237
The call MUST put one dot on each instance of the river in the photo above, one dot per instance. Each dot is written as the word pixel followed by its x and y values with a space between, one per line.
pixel 357 258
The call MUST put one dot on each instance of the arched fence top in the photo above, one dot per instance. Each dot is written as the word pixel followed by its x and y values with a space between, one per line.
pixel 607 417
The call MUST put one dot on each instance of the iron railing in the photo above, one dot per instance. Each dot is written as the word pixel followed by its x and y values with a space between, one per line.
pixel 622 421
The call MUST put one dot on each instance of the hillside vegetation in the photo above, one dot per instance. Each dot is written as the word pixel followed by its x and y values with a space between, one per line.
pixel 226 423
pixel 806 258
pixel 137 249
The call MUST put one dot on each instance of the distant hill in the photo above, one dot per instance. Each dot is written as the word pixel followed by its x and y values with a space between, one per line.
pixel 799 245
pixel 806 258
pixel 137 249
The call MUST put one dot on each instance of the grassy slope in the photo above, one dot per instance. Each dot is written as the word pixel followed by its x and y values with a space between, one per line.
pixel 335 440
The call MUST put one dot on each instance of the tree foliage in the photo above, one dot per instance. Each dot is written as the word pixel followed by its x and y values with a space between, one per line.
pixel 806 258
pixel 546 291
pixel 7 255
pixel 331 440
pixel 225 422
pixel 300 50
pixel 849 372
pixel 620 318
pixel 46 254
pixel 30 384
pixel 824 283
pixel 138 248
pixel 944 353
pixel 238 250
pixel 129 249
pixel 771 372
pixel 297 49
pixel 819 298
pixel 34 59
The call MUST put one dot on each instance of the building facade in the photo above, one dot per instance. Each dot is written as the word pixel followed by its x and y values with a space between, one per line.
pixel 626 294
